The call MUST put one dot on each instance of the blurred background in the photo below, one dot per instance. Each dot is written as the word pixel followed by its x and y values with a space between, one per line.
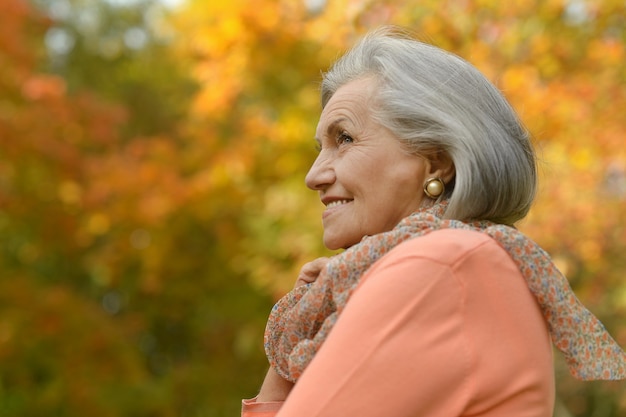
pixel 152 198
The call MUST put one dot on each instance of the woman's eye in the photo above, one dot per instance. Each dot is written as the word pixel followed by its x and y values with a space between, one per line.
pixel 343 137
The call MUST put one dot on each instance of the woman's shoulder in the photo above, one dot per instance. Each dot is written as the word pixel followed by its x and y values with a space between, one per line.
pixel 465 282
pixel 460 255
pixel 448 246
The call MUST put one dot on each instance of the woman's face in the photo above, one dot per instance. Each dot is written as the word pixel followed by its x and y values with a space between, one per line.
pixel 365 177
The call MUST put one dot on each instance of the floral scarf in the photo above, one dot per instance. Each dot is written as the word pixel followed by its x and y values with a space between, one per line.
pixel 300 322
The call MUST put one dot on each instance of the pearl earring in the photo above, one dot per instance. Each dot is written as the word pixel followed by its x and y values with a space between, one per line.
pixel 434 187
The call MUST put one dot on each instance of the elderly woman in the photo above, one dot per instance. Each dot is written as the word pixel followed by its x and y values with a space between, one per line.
pixel 438 306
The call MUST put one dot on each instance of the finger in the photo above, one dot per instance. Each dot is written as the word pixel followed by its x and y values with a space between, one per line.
pixel 310 271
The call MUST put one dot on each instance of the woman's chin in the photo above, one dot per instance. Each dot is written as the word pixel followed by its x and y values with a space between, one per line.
pixel 337 242
pixel 332 246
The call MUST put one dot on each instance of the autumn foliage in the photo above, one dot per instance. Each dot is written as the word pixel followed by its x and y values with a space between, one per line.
pixel 152 203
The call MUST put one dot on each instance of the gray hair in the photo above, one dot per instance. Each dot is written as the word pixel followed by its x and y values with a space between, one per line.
pixel 435 101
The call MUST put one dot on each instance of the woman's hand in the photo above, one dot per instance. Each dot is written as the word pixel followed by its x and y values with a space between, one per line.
pixel 274 388
pixel 310 271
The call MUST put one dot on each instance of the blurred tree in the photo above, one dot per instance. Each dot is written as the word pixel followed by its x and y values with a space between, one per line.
pixel 117 295
pixel 51 356
pixel 120 51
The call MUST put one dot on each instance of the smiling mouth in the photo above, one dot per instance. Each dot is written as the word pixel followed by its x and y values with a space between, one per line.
pixel 337 203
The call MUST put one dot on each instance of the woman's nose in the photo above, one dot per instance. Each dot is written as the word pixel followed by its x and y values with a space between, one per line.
pixel 321 174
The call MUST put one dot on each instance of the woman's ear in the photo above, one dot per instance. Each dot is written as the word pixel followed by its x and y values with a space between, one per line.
pixel 441 166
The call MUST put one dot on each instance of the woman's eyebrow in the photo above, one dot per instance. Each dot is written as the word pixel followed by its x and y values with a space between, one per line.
pixel 331 128
pixel 333 125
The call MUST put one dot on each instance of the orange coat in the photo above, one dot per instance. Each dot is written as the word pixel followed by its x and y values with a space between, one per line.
pixel 442 326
